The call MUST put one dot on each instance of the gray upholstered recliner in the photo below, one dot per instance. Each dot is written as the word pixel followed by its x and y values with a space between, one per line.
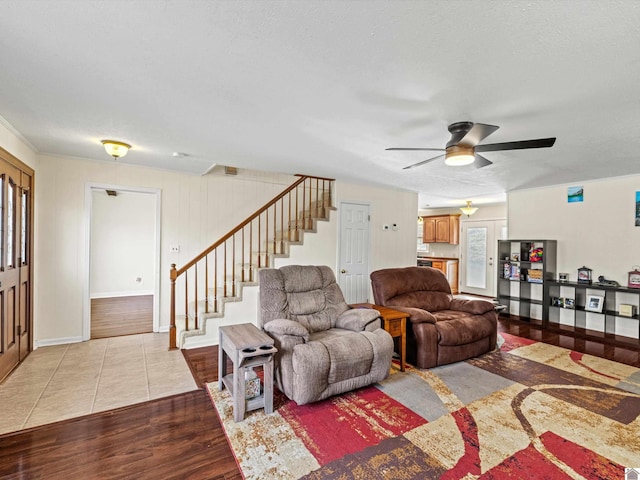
pixel 324 346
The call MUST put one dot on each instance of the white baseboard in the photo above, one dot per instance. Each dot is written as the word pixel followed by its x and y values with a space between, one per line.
pixel 57 341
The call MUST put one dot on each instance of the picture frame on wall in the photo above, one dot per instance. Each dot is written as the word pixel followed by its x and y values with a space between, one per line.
pixel 575 194
pixel 594 303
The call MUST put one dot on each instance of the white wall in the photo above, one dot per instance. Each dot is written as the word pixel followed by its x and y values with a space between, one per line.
pixel 387 248
pixel 123 231
pixel 195 212
pixel 598 232
pixel 386 206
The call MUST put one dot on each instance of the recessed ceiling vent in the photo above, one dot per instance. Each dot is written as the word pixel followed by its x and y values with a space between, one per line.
pixel 112 193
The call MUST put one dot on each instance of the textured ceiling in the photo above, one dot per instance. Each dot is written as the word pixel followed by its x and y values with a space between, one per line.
pixel 323 87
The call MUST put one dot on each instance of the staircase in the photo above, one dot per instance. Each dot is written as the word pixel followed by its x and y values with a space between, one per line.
pixel 201 289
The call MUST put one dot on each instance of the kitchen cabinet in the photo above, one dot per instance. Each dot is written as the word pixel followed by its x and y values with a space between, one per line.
pixel 449 267
pixel 441 229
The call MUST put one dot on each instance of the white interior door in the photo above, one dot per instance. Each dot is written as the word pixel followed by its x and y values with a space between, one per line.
pixel 479 251
pixel 353 268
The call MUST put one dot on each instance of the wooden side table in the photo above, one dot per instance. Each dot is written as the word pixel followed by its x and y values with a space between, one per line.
pixel 246 346
pixel 394 322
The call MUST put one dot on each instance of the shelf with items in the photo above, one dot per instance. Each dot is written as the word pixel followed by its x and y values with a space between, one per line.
pixel 606 309
pixel 525 266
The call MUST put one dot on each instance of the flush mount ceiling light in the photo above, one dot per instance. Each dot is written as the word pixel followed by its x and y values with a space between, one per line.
pixel 469 210
pixel 457 155
pixel 116 149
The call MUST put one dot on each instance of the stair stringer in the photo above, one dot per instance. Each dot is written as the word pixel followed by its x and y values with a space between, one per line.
pixel 244 306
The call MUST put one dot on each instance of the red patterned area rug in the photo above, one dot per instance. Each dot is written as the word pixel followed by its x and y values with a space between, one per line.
pixel 529 410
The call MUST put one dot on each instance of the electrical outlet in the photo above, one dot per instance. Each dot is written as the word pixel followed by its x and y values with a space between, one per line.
pixel 174 249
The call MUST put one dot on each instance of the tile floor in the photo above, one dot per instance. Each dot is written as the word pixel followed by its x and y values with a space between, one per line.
pixel 65 381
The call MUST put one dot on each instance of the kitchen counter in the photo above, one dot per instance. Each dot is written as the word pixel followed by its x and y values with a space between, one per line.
pixel 426 257
pixel 448 266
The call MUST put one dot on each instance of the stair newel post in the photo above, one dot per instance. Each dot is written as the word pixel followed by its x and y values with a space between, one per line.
pixel 304 201
pixel 330 197
pixel 233 265
pixel 215 280
pixel 297 213
pixel 195 288
pixel 186 300
pixel 206 284
pixel 317 198
pixel 275 222
pixel 259 221
pixel 282 225
pixel 242 257
pixel 224 272
pixel 250 251
pixel 309 224
pixel 266 238
pixel 173 274
pixel 289 217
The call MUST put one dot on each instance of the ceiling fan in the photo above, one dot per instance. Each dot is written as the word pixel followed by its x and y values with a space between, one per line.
pixel 463 148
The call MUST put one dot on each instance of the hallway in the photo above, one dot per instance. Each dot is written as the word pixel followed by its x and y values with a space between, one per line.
pixel 66 381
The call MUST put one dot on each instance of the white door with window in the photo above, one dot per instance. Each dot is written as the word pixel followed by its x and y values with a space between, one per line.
pixel 479 251
pixel 353 267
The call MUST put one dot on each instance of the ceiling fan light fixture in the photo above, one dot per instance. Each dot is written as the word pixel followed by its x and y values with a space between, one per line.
pixel 469 210
pixel 115 148
pixel 458 156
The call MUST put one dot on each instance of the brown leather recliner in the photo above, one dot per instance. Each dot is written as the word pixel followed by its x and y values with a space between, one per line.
pixel 442 329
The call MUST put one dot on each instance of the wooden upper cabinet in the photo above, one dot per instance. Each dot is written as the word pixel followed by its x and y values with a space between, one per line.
pixel 428 229
pixel 441 229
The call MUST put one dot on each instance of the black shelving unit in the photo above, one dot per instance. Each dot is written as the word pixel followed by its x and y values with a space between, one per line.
pixel 523 277
pixel 577 317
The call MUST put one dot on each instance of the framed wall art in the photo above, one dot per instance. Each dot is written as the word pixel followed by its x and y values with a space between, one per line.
pixel 575 194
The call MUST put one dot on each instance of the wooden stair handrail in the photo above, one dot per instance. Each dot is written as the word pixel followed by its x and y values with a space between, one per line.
pixel 175 273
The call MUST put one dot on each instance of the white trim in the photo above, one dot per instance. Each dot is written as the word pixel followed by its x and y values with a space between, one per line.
pixel 5 123
pixel 137 293
pixel 163 329
pixel 88 200
pixel 57 341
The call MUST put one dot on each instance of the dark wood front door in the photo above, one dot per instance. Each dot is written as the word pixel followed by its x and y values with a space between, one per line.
pixel 16 212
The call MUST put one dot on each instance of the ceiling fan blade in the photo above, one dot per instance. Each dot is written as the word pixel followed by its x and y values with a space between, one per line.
pixel 481 162
pixel 537 143
pixel 430 149
pixel 478 132
pixel 423 162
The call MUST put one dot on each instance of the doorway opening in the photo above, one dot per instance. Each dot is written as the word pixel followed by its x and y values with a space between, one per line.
pixel 123 250
pixel 478 254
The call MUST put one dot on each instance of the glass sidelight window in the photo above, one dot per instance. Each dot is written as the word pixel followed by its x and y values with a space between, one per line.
pixel 11 220
pixel 2 232
pixel 24 217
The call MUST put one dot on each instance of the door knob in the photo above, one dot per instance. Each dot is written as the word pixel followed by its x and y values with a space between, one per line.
pixel 343 271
